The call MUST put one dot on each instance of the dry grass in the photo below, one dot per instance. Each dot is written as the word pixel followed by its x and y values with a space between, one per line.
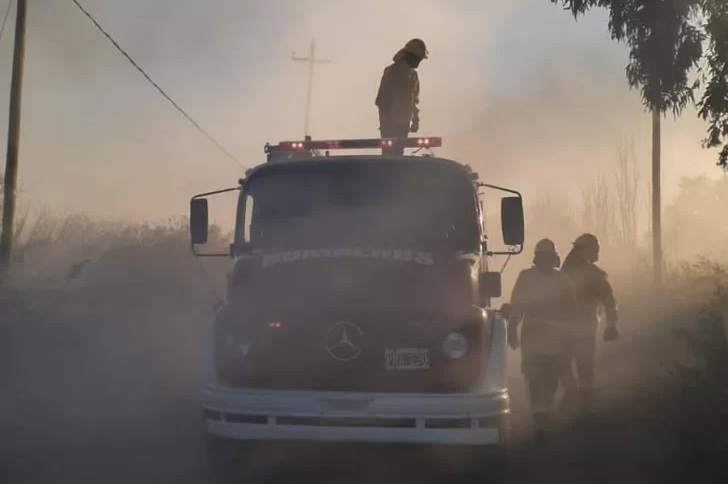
pixel 102 327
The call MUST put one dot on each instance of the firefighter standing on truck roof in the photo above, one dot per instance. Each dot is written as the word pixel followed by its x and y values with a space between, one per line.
pixel 399 95
pixel 544 299
pixel 592 289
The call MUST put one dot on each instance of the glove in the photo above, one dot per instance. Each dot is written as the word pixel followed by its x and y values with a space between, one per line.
pixel 415 126
pixel 611 333
pixel 506 310
pixel 513 340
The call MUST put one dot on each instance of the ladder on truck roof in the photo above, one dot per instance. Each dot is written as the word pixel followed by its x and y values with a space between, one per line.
pixel 296 150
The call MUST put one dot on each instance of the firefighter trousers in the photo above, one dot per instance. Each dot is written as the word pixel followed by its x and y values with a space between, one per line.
pixel 542 375
pixel 392 130
pixel 580 350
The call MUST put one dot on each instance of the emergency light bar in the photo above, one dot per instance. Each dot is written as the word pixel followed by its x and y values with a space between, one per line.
pixel 347 144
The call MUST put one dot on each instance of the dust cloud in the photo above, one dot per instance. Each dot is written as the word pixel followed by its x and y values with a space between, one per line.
pixel 102 327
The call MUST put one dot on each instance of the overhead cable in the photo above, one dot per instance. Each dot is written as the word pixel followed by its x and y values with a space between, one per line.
pixel 157 86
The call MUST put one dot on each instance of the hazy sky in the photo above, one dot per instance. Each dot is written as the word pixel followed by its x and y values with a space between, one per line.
pixel 518 88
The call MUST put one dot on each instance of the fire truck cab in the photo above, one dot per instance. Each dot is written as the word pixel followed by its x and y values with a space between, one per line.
pixel 358 307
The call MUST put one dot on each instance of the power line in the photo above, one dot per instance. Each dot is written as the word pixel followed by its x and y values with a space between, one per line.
pixel 151 81
pixel 5 18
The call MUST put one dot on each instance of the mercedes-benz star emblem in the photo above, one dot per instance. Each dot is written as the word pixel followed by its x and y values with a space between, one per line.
pixel 344 341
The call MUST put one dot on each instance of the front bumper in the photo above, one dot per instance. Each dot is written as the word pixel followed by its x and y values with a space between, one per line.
pixel 451 419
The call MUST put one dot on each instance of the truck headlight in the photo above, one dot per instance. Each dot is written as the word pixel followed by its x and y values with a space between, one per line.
pixel 455 345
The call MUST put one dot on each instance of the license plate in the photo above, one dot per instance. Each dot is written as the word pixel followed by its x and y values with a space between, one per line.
pixel 407 359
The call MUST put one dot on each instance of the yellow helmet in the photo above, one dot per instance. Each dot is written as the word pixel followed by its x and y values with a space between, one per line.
pixel 416 47
pixel 546 246
pixel 587 240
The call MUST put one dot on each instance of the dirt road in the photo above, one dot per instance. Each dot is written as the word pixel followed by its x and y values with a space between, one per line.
pixel 114 403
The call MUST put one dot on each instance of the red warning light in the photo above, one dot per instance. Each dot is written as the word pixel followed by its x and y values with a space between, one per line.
pixel 344 144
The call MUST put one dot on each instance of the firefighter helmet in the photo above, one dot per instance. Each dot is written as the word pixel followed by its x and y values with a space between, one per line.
pixel 587 241
pixel 545 246
pixel 416 47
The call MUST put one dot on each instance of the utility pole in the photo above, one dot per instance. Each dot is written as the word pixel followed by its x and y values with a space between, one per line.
pixel 656 200
pixel 311 60
pixel 11 164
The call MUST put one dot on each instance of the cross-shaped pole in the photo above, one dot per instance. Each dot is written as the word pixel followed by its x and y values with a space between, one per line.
pixel 311 60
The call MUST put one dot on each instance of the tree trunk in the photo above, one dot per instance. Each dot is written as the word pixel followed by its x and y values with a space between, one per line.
pixel 656 200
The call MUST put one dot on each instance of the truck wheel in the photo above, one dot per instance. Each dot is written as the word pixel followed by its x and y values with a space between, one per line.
pixel 473 464
pixel 485 464
pixel 228 461
pixel 506 432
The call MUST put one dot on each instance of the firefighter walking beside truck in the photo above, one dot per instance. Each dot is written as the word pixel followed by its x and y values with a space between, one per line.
pixel 543 299
pixel 592 289
pixel 399 95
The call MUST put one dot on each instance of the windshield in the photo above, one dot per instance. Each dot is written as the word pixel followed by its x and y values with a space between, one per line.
pixel 361 203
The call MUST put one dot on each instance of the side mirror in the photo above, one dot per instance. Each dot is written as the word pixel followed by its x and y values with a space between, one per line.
pixel 489 285
pixel 198 220
pixel 512 224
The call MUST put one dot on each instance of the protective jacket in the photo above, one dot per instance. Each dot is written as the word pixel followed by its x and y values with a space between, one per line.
pixel 592 288
pixel 398 97
pixel 544 300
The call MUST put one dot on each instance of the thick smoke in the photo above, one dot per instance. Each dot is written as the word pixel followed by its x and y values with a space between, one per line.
pixel 517 88
pixel 102 338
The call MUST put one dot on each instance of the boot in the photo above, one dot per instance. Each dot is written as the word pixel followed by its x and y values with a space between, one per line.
pixel 540 424
pixel 586 400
